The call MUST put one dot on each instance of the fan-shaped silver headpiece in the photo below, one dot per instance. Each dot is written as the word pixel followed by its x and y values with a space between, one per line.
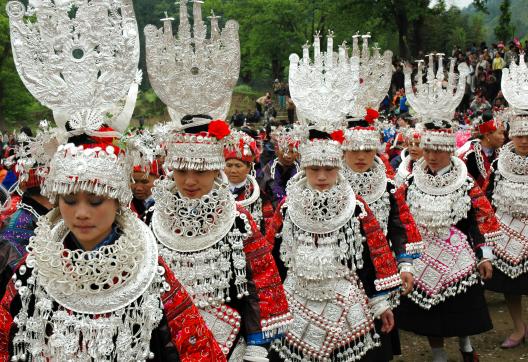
pixel 324 89
pixel 193 74
pixel 514 85
pixel 375 74
pixel 436 100
pixel 79 58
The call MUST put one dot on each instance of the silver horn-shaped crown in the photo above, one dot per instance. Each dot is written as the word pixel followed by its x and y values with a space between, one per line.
pixel 324 89
pixel 435 100
pixel 79 58
pixel 192 74
pixel 375 73
pixel 514 84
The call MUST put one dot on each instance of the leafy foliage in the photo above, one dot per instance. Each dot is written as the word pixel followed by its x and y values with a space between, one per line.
pixel 492 19
pixel 16 103
pixel 504 29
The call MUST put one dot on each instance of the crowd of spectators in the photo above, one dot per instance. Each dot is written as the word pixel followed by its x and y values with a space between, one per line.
pixel 483 90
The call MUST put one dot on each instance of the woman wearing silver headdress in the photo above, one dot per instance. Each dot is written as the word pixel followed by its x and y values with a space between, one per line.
pixel 211 243
pixel 338 265
pixel 92 286
pixel 274 176
pixel 456 222
pixel 483 150
pixel 507 190
pixel 459 228
pixel 409 155
pixel 367 175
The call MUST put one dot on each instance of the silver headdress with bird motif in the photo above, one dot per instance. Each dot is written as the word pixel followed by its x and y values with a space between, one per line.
pixel 514 85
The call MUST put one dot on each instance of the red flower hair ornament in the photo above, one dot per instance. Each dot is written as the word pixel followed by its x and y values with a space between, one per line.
pixel 219 129
pixel 371 116
pixel 338 136
pixel 104 141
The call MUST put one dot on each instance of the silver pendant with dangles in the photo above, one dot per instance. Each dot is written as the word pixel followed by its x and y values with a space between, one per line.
pixel 438 202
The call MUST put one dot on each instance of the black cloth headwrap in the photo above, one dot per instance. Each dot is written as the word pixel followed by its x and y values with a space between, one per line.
pixel 315 134
pixel 188 119
pixel 357 123
pixel 82 139
pixel 437 125
pixel 250 132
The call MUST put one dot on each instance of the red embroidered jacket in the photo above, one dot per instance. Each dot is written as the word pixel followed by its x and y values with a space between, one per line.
pixel 267 308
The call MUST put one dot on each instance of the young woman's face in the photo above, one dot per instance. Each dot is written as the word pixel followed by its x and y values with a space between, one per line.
pixel 194 184
pixel 415 151
pixel 321 178
pixel 89 217
pixel 437 160
pixel 360 161
pixel 520 143
pixel 236 170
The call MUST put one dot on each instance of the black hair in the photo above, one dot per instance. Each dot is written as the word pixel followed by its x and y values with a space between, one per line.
pixel 250 132
pixel 27 131
pixel 32 191
pixel 487 116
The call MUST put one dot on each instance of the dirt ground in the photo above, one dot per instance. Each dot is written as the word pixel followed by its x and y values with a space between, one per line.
pixel 416 349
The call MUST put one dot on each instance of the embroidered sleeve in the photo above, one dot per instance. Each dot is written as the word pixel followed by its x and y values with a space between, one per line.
pixel 190 335
pixel 273 308
pixel 387 276
pixel 413 244
pixel 388 167
pixel 487 223
pixel 274 225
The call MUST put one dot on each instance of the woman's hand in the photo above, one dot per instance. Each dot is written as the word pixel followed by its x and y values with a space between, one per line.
pixel 387 321
pixel 485 269
pixel 407 282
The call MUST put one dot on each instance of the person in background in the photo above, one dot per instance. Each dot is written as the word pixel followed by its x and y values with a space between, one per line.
pixel 497 65
pixel 241 155
pixel 483 150
pixel 507 190
pixel 276 173
pixel 143 181
pixel 480 103
pixel 410 154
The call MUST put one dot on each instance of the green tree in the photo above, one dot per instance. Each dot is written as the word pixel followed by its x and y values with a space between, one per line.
pixel 504 29
pixel 17 105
